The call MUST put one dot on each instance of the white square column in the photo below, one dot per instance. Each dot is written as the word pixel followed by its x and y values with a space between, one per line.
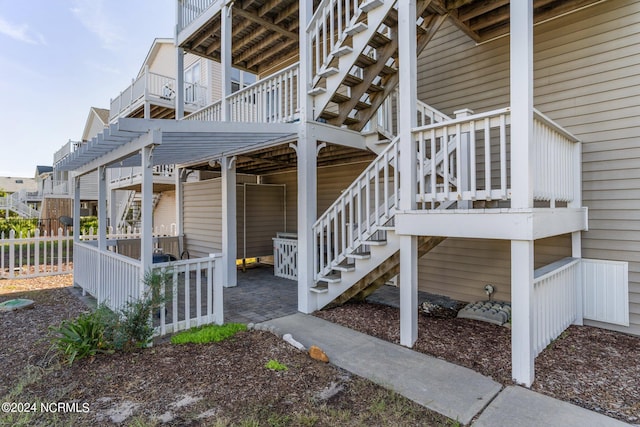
pixel 229 226
pixel 521 86
pixel 225 59
pixel 146 232
pixel 408 169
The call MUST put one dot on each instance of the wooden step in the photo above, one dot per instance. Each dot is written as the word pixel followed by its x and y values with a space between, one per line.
pixel 379 40
pixel 387 71
pixel 331 278
pixel 320 288
pixel 316 91
pixel 326 72
pixel 370 5
pixel 345 267
pixel 341 51
pixel 329 115
pixel 339 98
pixel 356 28
pixel 374 242
pixel 360 255
pixel 364 61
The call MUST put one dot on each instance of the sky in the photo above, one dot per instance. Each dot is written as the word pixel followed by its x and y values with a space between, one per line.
pixel 59 58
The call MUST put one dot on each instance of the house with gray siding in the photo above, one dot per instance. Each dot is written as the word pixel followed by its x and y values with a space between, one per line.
pixel 446 145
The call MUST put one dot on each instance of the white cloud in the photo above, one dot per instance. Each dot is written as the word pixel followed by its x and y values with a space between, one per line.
pixel 21 33
pixel 93 16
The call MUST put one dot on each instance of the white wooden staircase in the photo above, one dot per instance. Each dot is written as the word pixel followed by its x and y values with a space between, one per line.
pixel 354 50
pixel 358 250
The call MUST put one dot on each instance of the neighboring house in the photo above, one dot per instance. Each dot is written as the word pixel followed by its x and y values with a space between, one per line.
pixel 504 153
pixel 20 195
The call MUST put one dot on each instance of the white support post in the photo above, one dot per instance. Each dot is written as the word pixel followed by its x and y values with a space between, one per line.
pixel 521 81
pixel 76 209
pixel 179 83
pixel 113 209
pixel 102 208
pixel 147 105
pixel 576 252
pixel 180 179
pixel 225 60
pixel 76 221
pixel 307 205
pixel 522 355
pixel 464 157
pixel 304 75
pixel 229 226
pixel 146 234
pixel 408 187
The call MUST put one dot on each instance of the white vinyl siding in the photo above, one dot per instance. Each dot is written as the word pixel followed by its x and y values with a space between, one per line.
pixel 587 78
pixel 203 217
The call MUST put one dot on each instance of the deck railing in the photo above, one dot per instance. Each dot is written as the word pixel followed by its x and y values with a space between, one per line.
pixel 193 295
pixel 193 291
pixel 274 99
pixel 555 300
pixel 38 254
pixel 556 161
pixel 190 10
pixel 367 204
pixel 154 87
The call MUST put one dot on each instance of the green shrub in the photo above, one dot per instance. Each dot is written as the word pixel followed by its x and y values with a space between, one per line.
pixel 208 333
pixel 274 365
pixel 83 336
pixel 105 331
pixel 134 328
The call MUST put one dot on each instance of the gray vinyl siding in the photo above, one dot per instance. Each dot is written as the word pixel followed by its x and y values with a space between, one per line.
pixel 587 78
pixel 89 186
pixel 203 217
pixel 331 181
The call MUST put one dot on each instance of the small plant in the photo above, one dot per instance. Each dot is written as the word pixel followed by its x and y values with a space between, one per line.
pixel 82 337
pixel 274 365
pixel 133 329
pixel 209 333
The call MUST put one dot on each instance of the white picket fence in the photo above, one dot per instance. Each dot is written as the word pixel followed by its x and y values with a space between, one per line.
pixel 25 255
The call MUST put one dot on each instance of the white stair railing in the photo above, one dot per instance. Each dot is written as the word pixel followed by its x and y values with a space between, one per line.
pixel 327 29
pixel 365 206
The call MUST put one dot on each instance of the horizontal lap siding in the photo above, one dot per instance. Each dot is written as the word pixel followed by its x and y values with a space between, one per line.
pixel 331 181
pixel 587 78
pixel 203 217
pixel 460 268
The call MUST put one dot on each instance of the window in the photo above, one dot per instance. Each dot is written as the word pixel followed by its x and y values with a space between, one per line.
pixel 192 79
pixel 241 79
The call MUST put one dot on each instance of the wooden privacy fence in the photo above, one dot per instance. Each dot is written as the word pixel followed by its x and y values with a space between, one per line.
pixel 25 255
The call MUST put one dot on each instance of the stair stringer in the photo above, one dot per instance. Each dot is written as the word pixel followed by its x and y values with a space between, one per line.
pixel 379 254
pixel 375 17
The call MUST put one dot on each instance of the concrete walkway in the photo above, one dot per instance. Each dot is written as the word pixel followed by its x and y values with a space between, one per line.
pixel 454 391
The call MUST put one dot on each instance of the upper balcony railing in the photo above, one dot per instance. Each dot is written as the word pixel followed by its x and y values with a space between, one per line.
pixel 190 10
pixel 274 99
pixel 155 88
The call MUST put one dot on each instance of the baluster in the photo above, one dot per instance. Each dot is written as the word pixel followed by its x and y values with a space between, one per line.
pixel 487 159
pixel 503 156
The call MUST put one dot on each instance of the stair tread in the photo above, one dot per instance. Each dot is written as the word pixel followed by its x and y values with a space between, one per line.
pixel 331 278
pixel 375 242
pixel 378 40
pixel 370 5
pixel 356 28
pixel 341 51
pixel 339 98
pixel 360 255
pixel 320 288
pixel 363 61
pixel 343 266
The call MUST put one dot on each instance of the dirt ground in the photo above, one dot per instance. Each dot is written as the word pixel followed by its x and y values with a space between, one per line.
pixel 227 383
pixel 219 384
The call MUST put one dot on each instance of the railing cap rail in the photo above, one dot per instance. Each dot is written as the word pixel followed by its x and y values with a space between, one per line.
pixel 463 119
pixel 555 126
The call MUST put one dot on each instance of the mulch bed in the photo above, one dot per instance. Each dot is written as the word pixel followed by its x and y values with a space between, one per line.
pixel 590 367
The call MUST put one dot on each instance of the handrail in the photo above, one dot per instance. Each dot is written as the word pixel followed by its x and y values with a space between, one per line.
pixel 553 125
